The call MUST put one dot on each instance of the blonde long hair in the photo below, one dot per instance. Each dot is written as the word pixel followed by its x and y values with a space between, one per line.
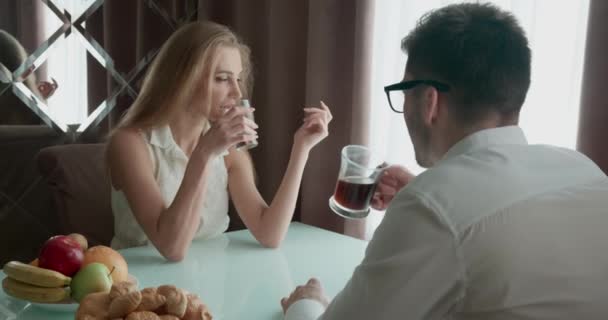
pixel 174 76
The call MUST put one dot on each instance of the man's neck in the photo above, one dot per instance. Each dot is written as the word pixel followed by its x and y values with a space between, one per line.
pixel 456 133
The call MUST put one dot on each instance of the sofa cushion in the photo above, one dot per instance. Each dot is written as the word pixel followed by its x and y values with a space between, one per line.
pixel 27 216
pixel 80 189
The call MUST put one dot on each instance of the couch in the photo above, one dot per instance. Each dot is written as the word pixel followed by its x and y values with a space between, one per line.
pixel 70 193
pixel 27 216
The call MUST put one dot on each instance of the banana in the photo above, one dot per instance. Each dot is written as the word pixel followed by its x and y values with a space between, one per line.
pixel 32 293
pixel 35 275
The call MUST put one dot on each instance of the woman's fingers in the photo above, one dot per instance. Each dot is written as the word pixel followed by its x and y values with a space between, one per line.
pixel 317 123
pixel 316 117
pixel 234 112
pixel 243 122
pixel 242 131
pixel 242 138
pixel 326 108
pixel 316 111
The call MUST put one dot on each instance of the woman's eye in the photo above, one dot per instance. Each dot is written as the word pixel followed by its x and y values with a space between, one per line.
pixel 221 79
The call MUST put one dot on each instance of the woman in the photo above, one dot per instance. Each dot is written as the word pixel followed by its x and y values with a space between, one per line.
pixel 172 159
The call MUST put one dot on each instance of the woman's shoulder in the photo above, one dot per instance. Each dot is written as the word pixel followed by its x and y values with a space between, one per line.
pixel 125 153
pixel 125 141
pixel 127 136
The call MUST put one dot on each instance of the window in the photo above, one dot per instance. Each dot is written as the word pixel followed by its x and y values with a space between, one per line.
pixel 550 113
pixel 67 64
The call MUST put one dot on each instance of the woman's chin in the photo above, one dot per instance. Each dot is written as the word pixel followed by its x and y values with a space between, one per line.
pixel 212 118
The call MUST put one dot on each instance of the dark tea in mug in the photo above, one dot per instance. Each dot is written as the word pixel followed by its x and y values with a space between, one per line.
pixel 360 170
pixel 355 193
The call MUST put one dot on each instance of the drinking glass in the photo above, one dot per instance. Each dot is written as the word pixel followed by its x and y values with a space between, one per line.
pixel 249 144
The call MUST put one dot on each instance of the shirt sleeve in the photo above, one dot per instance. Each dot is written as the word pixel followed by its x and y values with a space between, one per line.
pixel 411 269
pixel 305 309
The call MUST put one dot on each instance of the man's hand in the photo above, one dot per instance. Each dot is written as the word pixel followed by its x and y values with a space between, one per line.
pixel 311 290
pixel 393 179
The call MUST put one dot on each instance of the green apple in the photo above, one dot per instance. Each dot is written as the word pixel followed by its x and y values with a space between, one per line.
pixel 94 277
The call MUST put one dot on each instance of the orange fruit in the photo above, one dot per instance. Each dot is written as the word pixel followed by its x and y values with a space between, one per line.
pixel 111 258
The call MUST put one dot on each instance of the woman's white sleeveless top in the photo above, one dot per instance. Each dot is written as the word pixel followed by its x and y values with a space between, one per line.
pixel 169 167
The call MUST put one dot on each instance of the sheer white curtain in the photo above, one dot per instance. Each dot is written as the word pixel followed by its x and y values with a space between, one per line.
pixel 67 64
pixel 556 31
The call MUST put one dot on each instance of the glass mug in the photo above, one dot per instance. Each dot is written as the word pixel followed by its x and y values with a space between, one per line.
pixel 360 171
pixel 249 144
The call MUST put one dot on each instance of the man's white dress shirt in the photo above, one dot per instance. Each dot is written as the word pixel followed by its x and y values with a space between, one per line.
pixel 498 229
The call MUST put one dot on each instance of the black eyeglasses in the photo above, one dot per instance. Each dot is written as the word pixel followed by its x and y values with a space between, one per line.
pixel 396 92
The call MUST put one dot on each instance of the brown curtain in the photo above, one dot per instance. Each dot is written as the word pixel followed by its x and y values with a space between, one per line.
pixel 305 51
pixel 24 21
pixel 128 31
pixel 592 130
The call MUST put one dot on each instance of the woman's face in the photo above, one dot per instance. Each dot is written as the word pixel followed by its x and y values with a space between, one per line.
pixel 225 90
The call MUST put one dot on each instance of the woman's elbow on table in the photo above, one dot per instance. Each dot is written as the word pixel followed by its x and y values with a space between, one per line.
pixel 270 242
pixel 173 254
pixel 175 257
pixel 270 245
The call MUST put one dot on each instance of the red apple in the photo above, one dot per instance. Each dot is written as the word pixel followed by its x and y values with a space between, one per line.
pixel 62 254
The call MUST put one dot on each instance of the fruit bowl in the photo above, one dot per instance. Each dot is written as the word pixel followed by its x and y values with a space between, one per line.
pixel 69 305
pixel 63 306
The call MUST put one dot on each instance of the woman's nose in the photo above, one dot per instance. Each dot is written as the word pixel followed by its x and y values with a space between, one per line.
pixel 235 90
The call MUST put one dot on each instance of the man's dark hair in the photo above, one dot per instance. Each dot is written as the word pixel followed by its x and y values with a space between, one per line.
pixel 477 49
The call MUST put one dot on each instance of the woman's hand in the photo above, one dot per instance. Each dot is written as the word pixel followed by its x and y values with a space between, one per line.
pixel 231 128
pixel 315 127
pixel 47 88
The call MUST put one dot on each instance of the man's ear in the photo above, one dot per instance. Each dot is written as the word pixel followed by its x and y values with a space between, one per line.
pixel 430 106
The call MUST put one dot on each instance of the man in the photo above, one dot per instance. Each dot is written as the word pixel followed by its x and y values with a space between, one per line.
pixel 495 228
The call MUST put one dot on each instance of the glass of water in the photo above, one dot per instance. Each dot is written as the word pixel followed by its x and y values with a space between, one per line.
pixel 249 144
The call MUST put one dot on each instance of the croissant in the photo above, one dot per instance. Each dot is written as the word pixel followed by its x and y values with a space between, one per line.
pixel 177 301
pixel 151 301
pixel 196 309
pixel 124 304
pixel 142 315
pixel 93 306
pixel 122 288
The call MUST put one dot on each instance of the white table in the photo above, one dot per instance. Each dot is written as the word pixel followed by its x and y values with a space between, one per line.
pixel 233 274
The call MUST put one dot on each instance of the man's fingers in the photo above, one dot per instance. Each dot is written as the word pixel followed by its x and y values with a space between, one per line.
pixel 384 190
pixel 284 304
pixel 400 173
pixel 376 202
pixel 389 180
pixel 386 199
pixel 314 282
